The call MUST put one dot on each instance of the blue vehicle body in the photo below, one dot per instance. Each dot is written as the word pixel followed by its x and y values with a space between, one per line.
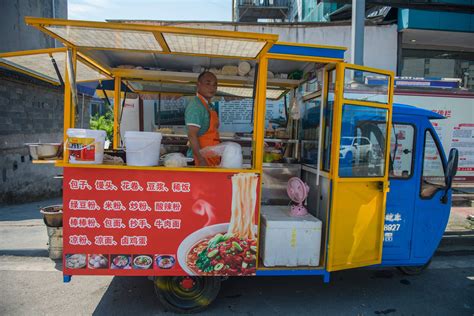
pixel 414 225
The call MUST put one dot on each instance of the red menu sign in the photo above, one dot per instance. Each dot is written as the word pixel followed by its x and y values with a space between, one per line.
pixel 142 222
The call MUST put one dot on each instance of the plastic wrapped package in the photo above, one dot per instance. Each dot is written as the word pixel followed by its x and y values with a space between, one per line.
pixel 244 68
pixel 230 70
pixel 175 160
pixel 230 153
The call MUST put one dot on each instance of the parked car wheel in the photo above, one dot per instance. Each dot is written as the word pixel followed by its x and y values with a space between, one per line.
pixel 368 157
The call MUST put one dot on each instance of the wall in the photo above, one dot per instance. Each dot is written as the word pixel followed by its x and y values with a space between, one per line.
pixel 31 111
pixel 16 35
pixel 436 20
pixel 456 131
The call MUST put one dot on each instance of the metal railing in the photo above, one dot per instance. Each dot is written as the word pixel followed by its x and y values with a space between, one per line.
pixel 264 3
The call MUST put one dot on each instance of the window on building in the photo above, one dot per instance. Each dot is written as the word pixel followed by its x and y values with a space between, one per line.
pixel 439 64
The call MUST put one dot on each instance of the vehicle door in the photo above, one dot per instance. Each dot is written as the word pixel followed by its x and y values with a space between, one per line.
pixel 358 188
pixel 431 212
pixel 404 178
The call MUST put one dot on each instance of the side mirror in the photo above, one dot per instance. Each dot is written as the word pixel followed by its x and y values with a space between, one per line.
pixel 452 167
pixel 451 170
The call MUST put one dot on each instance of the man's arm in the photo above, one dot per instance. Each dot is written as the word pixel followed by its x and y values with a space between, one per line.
pixel 194 142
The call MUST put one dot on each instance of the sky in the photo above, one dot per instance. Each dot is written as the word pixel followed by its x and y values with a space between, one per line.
pixel 191 10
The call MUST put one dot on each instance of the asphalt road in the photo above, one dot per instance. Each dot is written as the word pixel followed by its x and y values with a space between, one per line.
pixel 33 286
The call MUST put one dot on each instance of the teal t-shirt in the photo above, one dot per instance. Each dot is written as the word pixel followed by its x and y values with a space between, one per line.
pixel 197 115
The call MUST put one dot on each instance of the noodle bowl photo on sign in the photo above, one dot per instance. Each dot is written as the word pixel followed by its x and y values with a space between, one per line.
pixel 227 248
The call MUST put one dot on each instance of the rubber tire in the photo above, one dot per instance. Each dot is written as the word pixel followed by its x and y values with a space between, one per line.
pixel 174 299
pixel 368 157
pixel 414 270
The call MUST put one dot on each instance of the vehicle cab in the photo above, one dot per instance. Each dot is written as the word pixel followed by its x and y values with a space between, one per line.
pixel 419 200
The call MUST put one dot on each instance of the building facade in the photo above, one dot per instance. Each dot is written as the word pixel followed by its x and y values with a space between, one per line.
pixel 435 37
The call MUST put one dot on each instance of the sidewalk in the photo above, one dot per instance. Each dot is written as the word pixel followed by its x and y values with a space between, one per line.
pixel 24 232
pixel 458 220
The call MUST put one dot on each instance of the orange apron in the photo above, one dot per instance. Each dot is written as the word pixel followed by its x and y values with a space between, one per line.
pixel 211 137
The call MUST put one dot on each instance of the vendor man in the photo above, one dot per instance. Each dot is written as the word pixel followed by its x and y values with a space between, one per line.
pixel 202 121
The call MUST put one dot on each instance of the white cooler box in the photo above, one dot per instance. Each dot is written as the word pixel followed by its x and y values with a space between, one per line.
pixel 289 241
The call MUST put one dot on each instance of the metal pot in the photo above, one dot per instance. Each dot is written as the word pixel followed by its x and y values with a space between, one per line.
pixel 49 150
pixel 44 151
pixel 52 215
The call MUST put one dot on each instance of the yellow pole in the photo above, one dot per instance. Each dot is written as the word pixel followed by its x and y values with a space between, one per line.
pixel 73 105
pixel 67 111
pixel 117 102
pixel 337 121
pixel 260 104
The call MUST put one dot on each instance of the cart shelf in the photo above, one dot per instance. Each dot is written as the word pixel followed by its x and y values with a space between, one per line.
pixel 157 168
pixel 237 139
pixel 38 161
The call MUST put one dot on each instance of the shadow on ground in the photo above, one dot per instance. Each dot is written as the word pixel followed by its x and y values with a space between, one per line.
pixel 350 292
pixel 137 292
pixel 19 212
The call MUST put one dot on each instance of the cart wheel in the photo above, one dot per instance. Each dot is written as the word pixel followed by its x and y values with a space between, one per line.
pixel 414 270
pixel 187 294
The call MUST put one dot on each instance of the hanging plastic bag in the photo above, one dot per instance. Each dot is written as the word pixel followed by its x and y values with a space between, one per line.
pixel 230 153
pixel 295 101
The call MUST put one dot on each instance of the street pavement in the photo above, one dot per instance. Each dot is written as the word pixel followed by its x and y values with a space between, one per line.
pixel 445 288
pixel 32 283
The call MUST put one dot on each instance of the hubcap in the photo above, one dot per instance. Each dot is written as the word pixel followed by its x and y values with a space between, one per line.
pixel 187 283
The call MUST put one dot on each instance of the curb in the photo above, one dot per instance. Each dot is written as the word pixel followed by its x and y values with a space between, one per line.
pixel 456 243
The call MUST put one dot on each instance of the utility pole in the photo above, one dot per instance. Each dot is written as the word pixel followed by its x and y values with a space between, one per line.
pixel 357 32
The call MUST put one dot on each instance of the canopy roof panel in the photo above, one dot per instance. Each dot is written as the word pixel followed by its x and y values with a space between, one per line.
pixel 159 39
pixel 39 63
pixel 208 45
pixel 107 38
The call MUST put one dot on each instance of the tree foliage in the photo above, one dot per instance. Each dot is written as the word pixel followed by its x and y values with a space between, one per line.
pixel 105 123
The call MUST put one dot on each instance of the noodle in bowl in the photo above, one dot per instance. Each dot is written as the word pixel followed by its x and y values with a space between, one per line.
pixel 198 241
pixel 230 248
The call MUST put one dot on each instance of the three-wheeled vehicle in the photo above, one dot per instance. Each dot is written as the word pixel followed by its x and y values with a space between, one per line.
pixel 378 181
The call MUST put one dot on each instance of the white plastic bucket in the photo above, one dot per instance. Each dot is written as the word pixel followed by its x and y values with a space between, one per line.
pixel 85 146
pixel 142 148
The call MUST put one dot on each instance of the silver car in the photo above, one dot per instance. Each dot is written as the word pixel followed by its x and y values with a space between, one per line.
pixel 356 148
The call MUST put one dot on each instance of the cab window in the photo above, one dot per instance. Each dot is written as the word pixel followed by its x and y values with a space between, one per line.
pixel 401 151
pixel 433 176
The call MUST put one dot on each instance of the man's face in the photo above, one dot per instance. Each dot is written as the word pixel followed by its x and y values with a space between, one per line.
pixel 207 86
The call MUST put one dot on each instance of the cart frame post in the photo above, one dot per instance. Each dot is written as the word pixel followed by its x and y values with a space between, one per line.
pixel 117 101
pixel 260 104
pixel 69 109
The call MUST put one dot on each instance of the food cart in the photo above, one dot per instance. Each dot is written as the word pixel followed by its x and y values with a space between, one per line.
pixel 188 227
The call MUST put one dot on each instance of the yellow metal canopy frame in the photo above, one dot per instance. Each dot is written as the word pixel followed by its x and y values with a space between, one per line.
pixel 156 39
pixel 39 64
pixel 82 37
